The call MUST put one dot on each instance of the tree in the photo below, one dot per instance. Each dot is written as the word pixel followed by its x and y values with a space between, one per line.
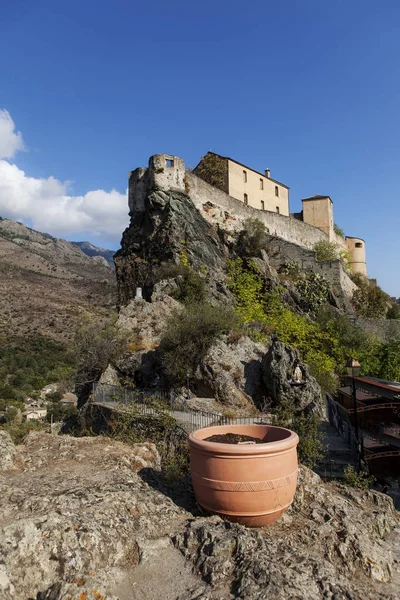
pixel 393 312
pixel 370 301
pixel 96 346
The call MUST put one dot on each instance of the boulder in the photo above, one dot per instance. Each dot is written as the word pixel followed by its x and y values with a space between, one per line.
pixel 278 374
pixel 232 373
pixel 327 546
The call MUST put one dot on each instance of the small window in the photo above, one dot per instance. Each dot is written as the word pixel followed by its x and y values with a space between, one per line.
pixel 277 210
pixel 358 245
pixel 262 205
pixel 261 184
pixel 246 199
pixel 169 162
pixel 245 176
pixel 276 191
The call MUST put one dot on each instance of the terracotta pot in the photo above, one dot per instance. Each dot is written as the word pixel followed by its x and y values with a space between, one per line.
pixel 249 484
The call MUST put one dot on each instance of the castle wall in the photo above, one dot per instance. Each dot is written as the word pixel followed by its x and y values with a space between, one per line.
pixel 319 213
pixel 385 329
pixel 218 207
pixel 167 172
pixel 138 184
pixel 259 189
pixel 280 250
pixel 356 248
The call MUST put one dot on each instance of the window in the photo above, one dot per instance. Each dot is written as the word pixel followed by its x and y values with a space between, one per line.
pixel 262 205
pixel 246 199
pixel 358 245
pixel 277 210
pixel 245 176
pixel 261 184
pixel 276 191
pixel 169 162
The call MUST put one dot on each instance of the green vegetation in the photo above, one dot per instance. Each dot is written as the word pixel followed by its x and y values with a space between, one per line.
pixel 393 312
pixel 314 291
pixel 338 230
pixel 190 334
pixel 324 343
pixel 251 238
pixel 96 345
pixel 191 286
pixel 326 250
pixel 358 480
pixel 331 251
pixel 160 429
pixel 370 300
pixel 29 364
pixel 56 411
pixel 310 448
pixel 212 168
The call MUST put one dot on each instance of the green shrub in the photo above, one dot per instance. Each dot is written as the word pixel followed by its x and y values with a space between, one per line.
pixel 326 250
pixel 314 291
pixel 191 286
pixel 190 334
pixel 338 230
pixel 247 287
pixel 370 301
pixel 310 449
pixel 393 312
pixel 29 363
pixel 359 480
pixel 251 239
pixel 19 430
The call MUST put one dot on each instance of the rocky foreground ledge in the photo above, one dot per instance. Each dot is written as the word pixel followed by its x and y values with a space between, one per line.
pixel 89 519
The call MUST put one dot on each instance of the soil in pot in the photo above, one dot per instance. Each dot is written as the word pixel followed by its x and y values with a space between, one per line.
pixel 233 438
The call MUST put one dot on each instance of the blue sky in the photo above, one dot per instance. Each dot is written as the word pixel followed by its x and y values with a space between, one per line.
pixel 307 88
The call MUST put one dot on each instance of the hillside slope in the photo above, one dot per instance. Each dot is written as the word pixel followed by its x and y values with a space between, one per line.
pixel 48 284
pixel 97 252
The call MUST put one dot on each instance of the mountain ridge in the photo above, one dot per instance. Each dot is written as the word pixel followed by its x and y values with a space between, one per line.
pixel 47 285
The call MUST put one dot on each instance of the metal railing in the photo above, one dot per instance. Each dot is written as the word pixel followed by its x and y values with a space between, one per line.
pixel 162 402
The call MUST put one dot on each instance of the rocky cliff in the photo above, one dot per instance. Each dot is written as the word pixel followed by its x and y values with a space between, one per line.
pixel 168 228
pixel 91 519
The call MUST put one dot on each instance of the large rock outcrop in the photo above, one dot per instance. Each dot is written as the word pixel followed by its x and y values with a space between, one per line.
pixel 166 228
pixel 327 546
pixel 279 366
pixel 231 373
pixel 90 519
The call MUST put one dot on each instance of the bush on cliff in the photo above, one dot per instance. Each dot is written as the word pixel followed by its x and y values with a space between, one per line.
pixel 370 301
pixel 310 448
pixel 190 286
pixel 190 334
pixel 251 238
pixel 325 343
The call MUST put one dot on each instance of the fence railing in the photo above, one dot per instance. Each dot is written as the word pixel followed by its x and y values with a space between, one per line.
pixel 339 419
pixel 156 402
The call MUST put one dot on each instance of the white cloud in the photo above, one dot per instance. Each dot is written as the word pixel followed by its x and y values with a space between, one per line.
pixel 51 209
pixel 10 140
pixel 46 203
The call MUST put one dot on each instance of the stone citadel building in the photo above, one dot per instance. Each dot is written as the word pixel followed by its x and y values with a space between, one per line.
pixel 266 194
pixel 227 192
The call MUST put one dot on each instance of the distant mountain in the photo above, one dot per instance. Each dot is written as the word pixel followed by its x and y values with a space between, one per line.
pixel 96 252
pixel 47 285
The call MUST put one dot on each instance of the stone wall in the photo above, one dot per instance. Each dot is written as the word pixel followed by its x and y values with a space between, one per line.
pixel 219 208
pixel 280 250
pixel 384 329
